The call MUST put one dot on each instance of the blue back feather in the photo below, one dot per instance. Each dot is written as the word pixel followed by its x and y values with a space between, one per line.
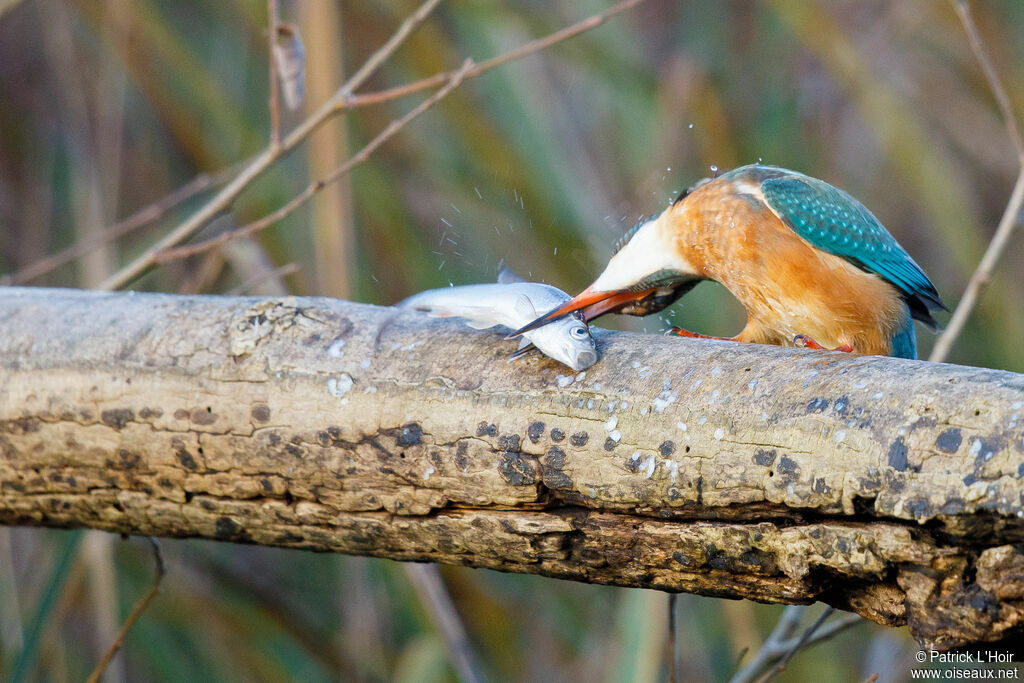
pixel 833 221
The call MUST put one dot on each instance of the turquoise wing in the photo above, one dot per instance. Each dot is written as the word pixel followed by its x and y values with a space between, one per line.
pixel 833 221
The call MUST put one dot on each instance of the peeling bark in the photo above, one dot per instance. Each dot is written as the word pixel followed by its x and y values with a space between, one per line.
pixel 888 487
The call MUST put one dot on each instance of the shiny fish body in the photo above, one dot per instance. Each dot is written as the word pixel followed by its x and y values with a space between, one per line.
pixel 512 305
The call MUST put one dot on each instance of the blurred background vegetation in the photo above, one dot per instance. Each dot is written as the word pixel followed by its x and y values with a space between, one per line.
pixel 110 105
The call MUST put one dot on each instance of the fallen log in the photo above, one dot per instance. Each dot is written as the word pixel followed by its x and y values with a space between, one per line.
pixel 887 487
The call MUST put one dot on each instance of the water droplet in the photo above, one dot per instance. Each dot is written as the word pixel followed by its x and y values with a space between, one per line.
pixel 691 125
pixel 714 169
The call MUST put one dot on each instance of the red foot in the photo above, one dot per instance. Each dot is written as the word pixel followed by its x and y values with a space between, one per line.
pixel 694 335
pixel 803 341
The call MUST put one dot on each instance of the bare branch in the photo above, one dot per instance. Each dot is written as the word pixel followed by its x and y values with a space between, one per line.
pixel 313 188
pixel 140 607
pixel 483 67
pixel 139 219
pixel 275 87
pixel 429 585
pixel 1011 214
pixel 263 160
pixel 340 101
pixel 882 486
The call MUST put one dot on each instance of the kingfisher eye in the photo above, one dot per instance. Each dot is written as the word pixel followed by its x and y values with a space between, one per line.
pixel 578 332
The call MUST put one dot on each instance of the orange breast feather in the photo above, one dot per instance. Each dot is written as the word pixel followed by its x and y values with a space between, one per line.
pixel 787 286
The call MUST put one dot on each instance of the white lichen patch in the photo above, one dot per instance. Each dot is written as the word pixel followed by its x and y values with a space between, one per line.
pixel 840 435
pixel 430 470
pixel 681 426
pixel 612 422
pixel 615 435
pixel 719 434
pixel 664 400
pixel 564 380
pixel 334 350
pixel 673 470
pixel 339 386
pixel 648 466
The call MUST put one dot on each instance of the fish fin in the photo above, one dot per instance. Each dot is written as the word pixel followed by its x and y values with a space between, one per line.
pixel 525 347
pixel 507 276
pixel 481 324
pixel 524 307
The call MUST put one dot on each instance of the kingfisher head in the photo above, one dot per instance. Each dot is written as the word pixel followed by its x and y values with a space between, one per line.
pixel 645 274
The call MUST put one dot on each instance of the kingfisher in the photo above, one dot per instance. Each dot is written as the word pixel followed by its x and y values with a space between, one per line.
pixel 811 265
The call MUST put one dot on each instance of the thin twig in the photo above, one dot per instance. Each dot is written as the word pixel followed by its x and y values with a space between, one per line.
pixel 770 650
pixel 426 579
pixel 781 642
pixel 264 160
pixel 260 278
pixel 801 642
pixel 340 101
pixel 275 89
pixel 139 219
pixel 673 648
pixel 1011 214
pixel 313 188
pixel 140 607
pixel 486 65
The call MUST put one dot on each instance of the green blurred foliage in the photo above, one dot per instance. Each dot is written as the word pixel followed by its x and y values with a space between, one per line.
pixel 109 105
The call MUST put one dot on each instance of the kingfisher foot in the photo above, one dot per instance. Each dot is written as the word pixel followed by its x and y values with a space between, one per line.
pixel 694 335
pixel 805 342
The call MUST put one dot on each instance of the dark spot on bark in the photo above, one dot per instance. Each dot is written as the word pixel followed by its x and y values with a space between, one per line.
pixel 117 417
pixel 1020 470
pixel 579 439
pixel 72 482
pixel 186 459
pixel 821 487
pixel 129 460
pixel 334 432
pixel 970 479
pixel 535 431
pixel 556 457
pixel 323 438
pixel 557 435
pixel 150 413
pixel 788 467
pixel 460 456
pixel 667 448
pixel 227 528
pixel 180 414
pixel 261 412
pixel 294 451
pixel 409 435
pixel 700 490
pixel 166 483
pixel 509 443
pixel 817 405
pixel 485 429
pixel 764 457
pixel 555 479
pixel 274 438
pixel 267 486
pixel 949 441
pixel 56 476
pixel 516 470
pixel 609 444
pixel 898 455
pixel 682 559
pixel 203 416
pixel 919 508
pixel 841 404
pixel 953 506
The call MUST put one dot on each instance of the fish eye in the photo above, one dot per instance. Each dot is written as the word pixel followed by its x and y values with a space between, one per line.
pixel 578 332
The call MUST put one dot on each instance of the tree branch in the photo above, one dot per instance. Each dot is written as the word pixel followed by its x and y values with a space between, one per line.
pixel 886 487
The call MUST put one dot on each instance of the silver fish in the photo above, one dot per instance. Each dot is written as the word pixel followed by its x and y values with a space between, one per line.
pixel 513 302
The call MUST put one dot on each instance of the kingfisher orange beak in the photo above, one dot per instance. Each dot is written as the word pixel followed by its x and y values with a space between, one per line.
pixel 593 304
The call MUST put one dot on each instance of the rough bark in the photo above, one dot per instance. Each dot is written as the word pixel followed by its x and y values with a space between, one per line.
pixel 888 487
